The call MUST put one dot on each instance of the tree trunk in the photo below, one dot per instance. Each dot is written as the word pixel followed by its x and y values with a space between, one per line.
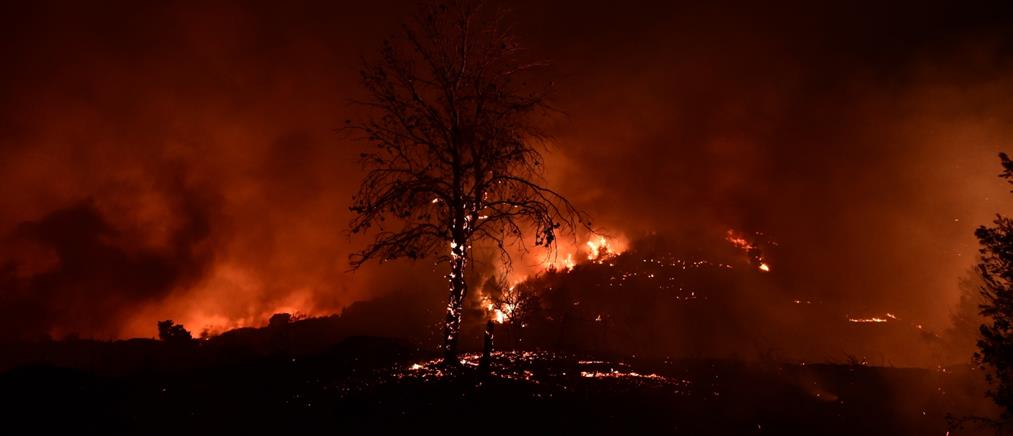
pixel 486 362
pixel 455 305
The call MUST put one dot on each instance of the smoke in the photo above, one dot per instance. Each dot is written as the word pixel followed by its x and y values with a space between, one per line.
pixel 75 257
pixel 862 140
pixel 147 136
pixel 179 161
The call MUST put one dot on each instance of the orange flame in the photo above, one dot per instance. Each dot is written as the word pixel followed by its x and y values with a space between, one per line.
pixel 751 250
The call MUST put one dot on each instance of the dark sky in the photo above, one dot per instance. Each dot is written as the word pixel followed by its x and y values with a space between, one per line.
pixel 179 160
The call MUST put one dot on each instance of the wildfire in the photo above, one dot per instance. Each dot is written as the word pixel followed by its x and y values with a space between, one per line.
pixel 887 317
pixel 874 319
pixel 500 316
pixel 567 264
pixel 738 241
pixel 754 252
pixel 499 313
pixel 599 249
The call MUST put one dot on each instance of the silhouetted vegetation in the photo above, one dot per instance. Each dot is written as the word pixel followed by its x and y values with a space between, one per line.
pixel 455 159
pixel 996 269
pixel 280 320
pixel 173 333
pixel 321 375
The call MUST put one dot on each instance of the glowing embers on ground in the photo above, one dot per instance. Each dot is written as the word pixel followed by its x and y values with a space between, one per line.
pixel 512 365
pixel 540 367
pixel 867 320
pixel 679 278
pixel 626 375
pixel 873 319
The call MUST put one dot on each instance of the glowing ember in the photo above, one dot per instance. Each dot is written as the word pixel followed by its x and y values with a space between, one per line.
pixel 541 367
pixel 867 320
pixel 618 374
pixel 764 267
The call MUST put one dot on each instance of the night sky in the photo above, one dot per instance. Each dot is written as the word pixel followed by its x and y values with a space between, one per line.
pixel 183 160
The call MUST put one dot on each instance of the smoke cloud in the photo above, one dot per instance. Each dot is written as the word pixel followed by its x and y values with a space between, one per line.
pixel 179 161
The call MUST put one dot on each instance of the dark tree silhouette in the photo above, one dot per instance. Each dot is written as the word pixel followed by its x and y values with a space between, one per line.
pixel 995 347
pixel 172 333
pixel 455 157
pixel 279 320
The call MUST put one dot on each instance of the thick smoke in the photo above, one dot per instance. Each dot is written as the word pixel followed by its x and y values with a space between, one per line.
pixel 861 139
pixel 99 274
pixel 180 161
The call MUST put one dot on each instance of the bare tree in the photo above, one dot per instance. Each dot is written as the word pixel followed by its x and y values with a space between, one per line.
pixel 456 157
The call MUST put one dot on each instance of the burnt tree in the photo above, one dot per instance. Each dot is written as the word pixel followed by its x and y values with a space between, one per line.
pixel 455 157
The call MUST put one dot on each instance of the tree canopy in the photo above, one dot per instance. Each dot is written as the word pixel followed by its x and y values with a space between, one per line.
pixel 456 148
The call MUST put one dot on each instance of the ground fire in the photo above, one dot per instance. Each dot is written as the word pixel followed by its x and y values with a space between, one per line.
pixel 560 217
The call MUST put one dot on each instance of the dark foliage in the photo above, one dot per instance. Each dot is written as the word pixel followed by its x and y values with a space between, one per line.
pixel 996 269
pixel 279 320
pixel 173 333
pixel 454 158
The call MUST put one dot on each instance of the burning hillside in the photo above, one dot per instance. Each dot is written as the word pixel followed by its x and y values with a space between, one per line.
pixel 656 298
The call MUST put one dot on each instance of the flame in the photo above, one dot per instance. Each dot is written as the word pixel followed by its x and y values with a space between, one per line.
pixel 598 248
pixel 601 249
pixel 500 316
pixel 567 264
pixel 738 241
pixel 501 313
pixel 867 320
pixel 750 249
pixel 886 317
